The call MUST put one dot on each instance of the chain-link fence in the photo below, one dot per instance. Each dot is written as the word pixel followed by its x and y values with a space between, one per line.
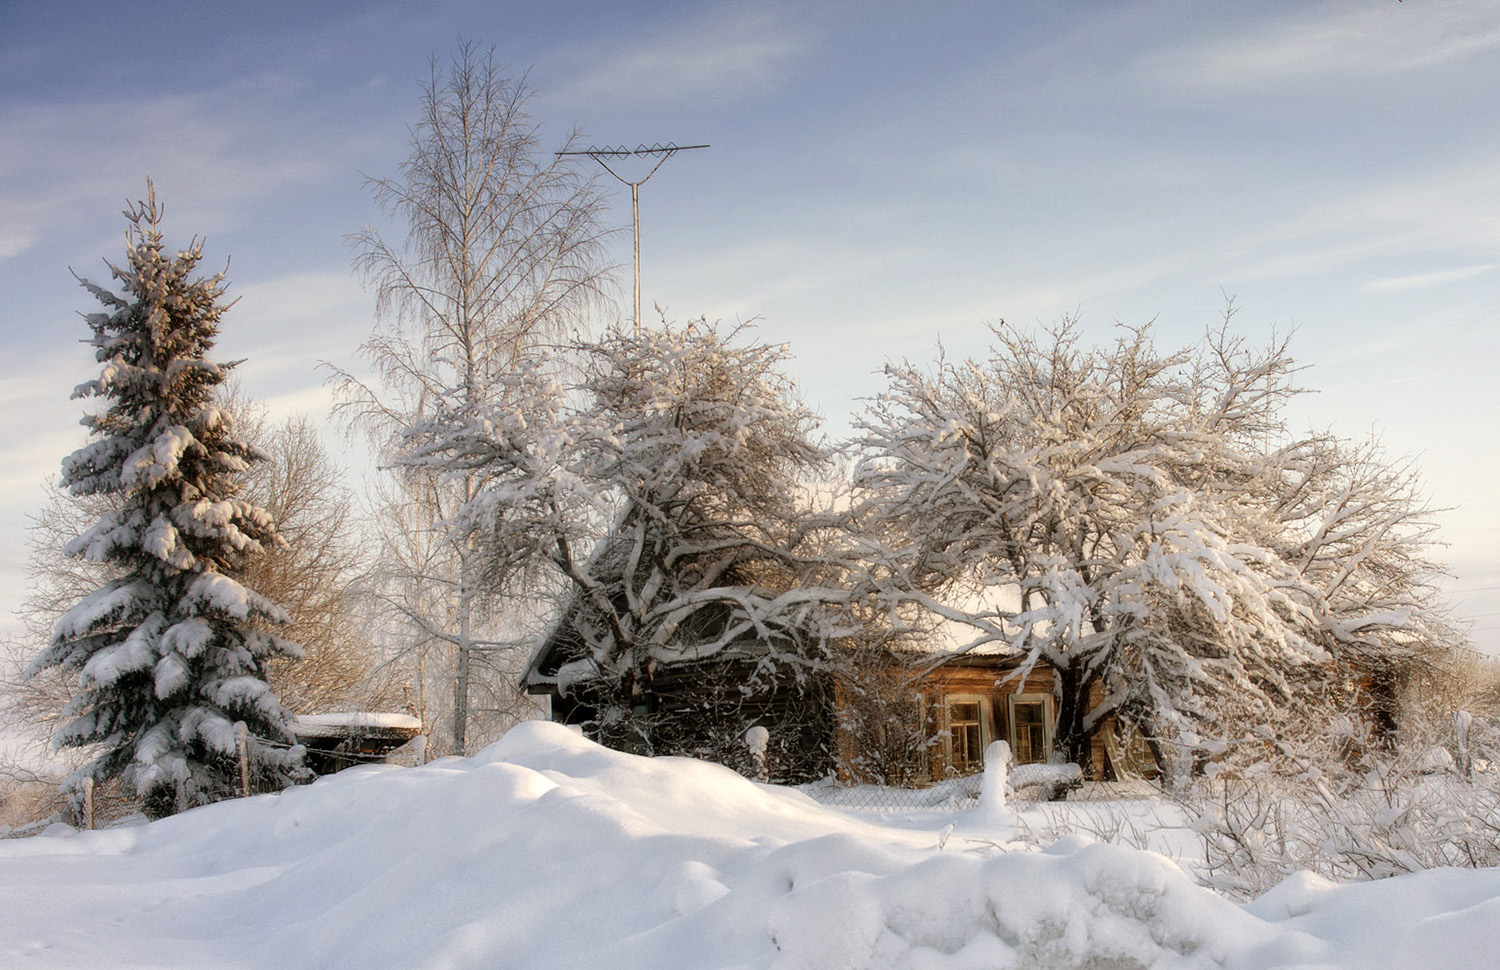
pixel 959 794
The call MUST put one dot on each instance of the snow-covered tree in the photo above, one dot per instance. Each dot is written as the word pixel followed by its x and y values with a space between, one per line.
pixel 504 250
pixel 663 495
pixel 1146 525
pixel 171 652
pixel 316 576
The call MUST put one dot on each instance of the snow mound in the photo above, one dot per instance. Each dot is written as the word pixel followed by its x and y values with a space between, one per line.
pixel 546 850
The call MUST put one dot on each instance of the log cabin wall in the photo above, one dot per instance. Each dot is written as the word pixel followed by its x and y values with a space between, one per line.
pixel 953 714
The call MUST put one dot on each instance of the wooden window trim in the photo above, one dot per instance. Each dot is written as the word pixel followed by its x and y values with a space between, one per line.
pixel 986 723
pixel 1011 701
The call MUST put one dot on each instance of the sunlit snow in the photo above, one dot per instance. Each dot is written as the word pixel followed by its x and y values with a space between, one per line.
pixel 546 850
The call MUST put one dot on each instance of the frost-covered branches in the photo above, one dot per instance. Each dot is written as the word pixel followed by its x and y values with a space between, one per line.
pixel 663 491
pixel 503 252
pixel 319 575
pixel 1143 523
pixel 170 651
pixel 504 248
pixel 701 441
pixel 1334 800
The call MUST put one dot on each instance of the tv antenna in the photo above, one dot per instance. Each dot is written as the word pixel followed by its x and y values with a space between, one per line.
pixel 657 151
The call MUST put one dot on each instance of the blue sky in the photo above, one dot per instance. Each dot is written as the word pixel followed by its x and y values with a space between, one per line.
pixel 882 175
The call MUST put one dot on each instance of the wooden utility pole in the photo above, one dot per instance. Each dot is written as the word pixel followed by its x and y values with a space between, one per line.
pixel 242 743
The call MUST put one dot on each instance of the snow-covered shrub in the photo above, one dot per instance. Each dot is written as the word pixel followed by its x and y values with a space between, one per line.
pixel 704 710
pixel 884 739
pixel 1341 803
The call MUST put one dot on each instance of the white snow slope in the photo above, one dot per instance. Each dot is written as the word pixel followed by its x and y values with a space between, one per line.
pixel 548 851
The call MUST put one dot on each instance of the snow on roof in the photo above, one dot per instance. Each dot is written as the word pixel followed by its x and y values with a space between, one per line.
pixel 946 636
pixel 353 723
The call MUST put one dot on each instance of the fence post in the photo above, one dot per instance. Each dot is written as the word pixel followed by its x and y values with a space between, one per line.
pixel 992 785
pixel 242 742
pixel 756 739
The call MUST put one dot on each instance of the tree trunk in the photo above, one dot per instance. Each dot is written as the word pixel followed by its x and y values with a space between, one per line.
pixel 465 609
pixel 1384 690
pixel 1069 737
pixel 461 664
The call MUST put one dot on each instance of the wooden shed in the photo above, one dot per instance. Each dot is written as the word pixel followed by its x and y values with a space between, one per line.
pixel 338 741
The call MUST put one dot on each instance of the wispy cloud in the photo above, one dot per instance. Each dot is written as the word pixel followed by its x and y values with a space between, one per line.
pixel 1331 40
pixel 58 160
pixel 747 280
pixel 33 449
pixel 284 326
pixel 318 311
pixel 1453 210
pixel 1430 279
pixel 723 53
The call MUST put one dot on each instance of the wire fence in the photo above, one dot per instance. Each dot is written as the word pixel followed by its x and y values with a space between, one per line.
pixel 961 794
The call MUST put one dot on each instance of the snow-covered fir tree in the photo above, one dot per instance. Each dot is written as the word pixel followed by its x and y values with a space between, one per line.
pixel 172 651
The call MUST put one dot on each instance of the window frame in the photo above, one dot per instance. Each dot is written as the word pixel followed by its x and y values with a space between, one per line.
pixel 986 732
pixel 1012 701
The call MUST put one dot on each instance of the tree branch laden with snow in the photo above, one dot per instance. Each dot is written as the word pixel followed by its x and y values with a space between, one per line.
pixel 172 651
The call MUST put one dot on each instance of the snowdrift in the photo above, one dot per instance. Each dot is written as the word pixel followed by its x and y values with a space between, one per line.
pixel 548 851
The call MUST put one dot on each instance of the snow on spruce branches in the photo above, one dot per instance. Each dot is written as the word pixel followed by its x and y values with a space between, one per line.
pixel 172 652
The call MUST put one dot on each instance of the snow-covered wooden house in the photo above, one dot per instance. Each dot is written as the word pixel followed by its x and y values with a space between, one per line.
pixel 909 716
pixel 699 705
pixel 915 710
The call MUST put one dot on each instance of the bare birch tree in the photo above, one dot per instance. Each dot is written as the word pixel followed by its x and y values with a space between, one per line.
pixel 504 249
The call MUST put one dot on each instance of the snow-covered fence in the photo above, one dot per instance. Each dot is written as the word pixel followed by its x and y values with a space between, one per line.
pixel 337 741
pixel 1045 782
pixel 1023 783
pixel 952 794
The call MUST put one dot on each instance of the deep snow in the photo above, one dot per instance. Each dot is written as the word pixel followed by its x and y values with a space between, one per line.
pixel 548 851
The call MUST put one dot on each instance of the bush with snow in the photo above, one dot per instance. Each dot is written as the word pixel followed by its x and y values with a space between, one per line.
pixel 1337 802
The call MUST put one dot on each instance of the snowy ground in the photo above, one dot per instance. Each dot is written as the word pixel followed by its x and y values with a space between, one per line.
pixel 547 851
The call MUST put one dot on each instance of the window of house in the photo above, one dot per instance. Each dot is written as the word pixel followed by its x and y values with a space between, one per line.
pixel 967 725
pixel 1030 717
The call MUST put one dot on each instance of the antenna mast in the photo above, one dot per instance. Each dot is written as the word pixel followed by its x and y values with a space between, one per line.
pixel 607 154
